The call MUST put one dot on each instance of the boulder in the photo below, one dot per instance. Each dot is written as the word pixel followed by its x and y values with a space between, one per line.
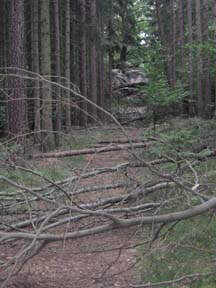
pixel 118 79
pixel 136 77
pixel 128 78
pixel 125 83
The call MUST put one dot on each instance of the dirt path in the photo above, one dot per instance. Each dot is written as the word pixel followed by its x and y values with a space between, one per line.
pixel 92 262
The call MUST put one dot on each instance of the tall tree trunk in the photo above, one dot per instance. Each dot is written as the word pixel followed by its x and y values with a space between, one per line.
pixel 100 63
pixel 2 36
pixel 181 37
pixel 173 83
pixel 75 61
pixel 3 63
pixel 184 106
pixel 83 61
pixel 58 112
pixel 67 67
pixel 110 53
pixel 200 102
pixel 190 60
pixel 93 59
pixel 16 96
pixel 47 124
pixel 35 61
pixel 123 54
pixel 100 101
pixel 162 35
pixel 214 21
pixel 206 62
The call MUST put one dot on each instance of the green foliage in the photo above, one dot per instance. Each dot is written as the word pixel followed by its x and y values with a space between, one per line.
pixel 188 249
pixel 53 173
pixel 190 246
pixel 160 94
pixel 78 140
pixel 162 100
pixel 183 135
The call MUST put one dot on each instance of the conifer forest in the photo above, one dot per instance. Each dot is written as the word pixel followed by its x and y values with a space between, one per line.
pixel 107 143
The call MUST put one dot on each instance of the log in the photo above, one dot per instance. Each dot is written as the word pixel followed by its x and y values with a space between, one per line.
pixel 118 141
pixel 72 153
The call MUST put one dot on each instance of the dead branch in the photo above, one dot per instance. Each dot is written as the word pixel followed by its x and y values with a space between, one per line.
pixel 134 195
pixel 122 224
pixel 119 141
pixel 71 153
pixel 88 173
pixel 20 201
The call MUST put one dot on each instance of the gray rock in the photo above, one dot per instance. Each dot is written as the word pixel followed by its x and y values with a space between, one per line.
pixel 136 77
pixel 128 78
pixel 118 79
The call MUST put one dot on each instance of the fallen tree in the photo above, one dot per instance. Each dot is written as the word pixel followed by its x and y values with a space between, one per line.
pixel 110 148
pixel 63 203
pixel 106 214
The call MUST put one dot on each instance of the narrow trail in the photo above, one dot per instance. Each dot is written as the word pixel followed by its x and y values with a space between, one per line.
pixel 99 261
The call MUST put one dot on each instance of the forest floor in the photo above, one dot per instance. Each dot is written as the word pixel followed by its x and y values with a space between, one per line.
pixel 121 258
pixel 105 260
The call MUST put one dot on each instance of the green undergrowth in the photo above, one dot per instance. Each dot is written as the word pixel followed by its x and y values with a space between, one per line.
pixel 78 139
pixel 183 135
pixel 190 246
pixel 51 169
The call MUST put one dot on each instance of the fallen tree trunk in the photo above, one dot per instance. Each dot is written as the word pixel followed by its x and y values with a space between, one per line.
pixel 119 141
pixel 126 198
pixel 120 223
pixel 71 153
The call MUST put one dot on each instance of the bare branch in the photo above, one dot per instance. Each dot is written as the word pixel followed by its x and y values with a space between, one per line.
pixel 90 151
pixel 122 223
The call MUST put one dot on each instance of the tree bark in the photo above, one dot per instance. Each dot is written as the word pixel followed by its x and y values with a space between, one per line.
pixel 71 153
pixel 110 53
pixel 100 62
pixel 2 64
pixel 173 83
pixel 163 40
pixel 93 59
pixel 58 99
pixel 83 62
pixel 181 37
pixel 100 101
pixel 67 67
pixel 190 60
pixel 16 96
pixel 35 61
pixel 214 21
pixel 200 102
pixel 47 124
pixel 206 62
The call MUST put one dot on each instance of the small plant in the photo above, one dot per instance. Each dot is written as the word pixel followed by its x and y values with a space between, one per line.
pixel 161 99
pixel 188 249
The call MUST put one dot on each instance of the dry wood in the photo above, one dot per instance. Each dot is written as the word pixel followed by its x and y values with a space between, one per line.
pixel 71 153
pixel 119 141
pixel 116 223
pixel 136 194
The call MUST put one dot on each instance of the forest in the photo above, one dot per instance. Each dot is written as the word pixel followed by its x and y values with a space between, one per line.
pixel 107 143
